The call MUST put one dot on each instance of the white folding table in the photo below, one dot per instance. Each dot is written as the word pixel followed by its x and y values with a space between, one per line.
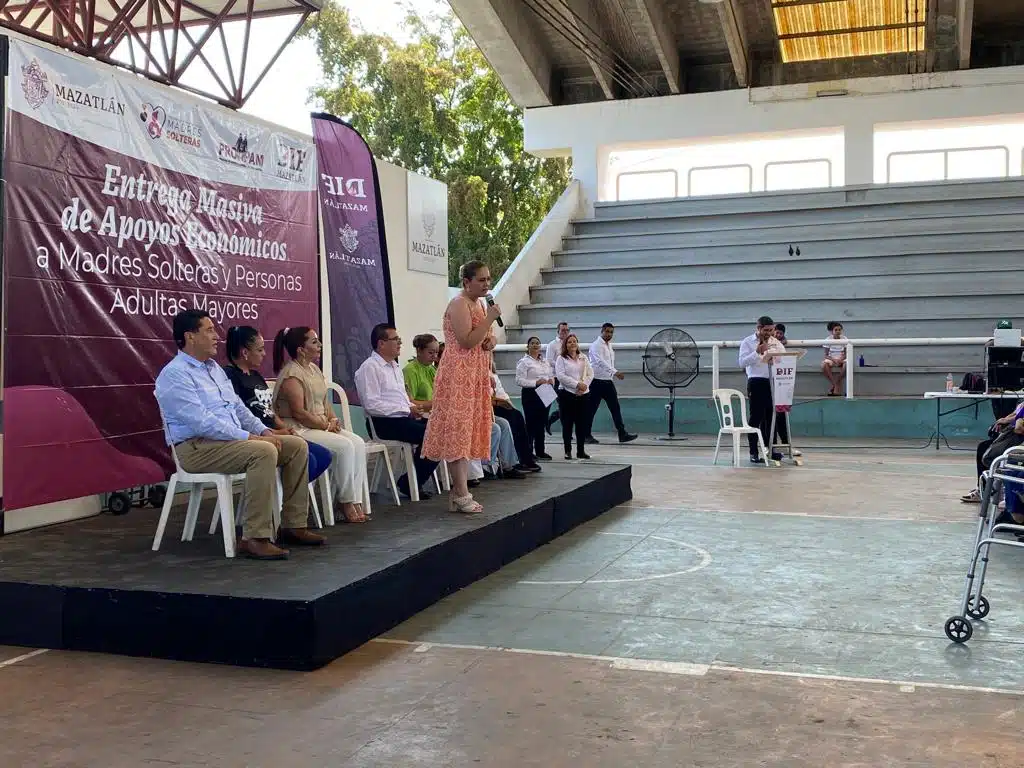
pixel 973 397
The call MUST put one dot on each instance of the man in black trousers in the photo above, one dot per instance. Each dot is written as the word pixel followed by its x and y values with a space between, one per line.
pixel 759 385
pixel 602 388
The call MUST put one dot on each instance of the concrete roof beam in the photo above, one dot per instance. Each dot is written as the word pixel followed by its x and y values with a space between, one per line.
pixel 964 30
pixel 735 38
pixel 656 23
pixel 502 30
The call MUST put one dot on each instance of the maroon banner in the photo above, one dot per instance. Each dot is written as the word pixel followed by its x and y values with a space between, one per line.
pixel 125 204
pixel 358 277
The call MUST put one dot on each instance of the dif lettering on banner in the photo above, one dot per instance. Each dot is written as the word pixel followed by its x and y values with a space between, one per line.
pixel 783 383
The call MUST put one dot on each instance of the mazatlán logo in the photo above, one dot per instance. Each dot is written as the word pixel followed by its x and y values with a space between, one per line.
pixel 34 84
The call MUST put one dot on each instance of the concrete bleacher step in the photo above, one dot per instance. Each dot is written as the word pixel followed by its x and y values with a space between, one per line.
pixel 783 267
pixel 850 311
pixel 774 288
pixel 736 329
pixel 935 209
pixel 972 192
pixel 820 247
pixel 1003 222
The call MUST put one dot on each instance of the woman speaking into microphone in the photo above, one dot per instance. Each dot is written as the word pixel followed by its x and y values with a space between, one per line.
pixel 459 428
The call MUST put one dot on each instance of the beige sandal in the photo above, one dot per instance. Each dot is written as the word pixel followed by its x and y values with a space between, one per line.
pixel 465 505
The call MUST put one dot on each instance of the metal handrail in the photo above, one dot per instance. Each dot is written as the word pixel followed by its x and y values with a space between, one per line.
pixel 717 346
pixel 748 166
pixel 945 158
pixel 673 171
pixel 776 163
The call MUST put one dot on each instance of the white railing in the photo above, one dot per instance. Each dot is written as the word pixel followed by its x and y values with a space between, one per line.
pixel 851 344
pixel 945 154
pixel 776 164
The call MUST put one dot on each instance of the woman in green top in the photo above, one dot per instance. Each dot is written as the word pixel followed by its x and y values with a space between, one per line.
pixel 420 371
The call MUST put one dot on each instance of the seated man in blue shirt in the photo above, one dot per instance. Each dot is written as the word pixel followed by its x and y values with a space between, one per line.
pixel 213 431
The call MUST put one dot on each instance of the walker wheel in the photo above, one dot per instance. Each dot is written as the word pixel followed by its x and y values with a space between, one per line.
pixel 156 495
pixel 981 611
pixel 959 629
pixel 798 460
pixel 119 503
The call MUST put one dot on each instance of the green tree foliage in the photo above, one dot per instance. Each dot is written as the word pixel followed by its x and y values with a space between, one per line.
pixel 434 106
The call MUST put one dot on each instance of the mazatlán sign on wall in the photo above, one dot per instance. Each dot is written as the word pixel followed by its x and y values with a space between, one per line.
pixel 126 203
pixel 428 225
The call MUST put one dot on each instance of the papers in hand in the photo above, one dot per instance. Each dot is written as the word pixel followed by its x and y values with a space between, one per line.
pixel 547 394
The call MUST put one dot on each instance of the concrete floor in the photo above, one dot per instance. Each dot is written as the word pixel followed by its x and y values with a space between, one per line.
pixel 723 618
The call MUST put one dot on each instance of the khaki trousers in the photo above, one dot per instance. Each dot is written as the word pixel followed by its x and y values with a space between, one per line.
pixel 259 461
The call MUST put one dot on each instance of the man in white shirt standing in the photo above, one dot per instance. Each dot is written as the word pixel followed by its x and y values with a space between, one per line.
pixel 555 345
pixel 602 388
pixel 753 360
pixel 381 388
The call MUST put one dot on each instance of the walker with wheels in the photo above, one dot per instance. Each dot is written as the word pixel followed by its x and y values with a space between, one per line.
pixel 1007 472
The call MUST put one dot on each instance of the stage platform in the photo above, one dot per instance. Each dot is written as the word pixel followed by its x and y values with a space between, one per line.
pixel 95 585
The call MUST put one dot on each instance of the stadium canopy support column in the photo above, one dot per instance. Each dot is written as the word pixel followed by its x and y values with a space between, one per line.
pixel 590 166
pixel 859 150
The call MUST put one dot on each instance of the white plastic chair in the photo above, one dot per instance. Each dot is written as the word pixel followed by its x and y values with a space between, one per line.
pixel 323 482
pixel 443 481
pixel 727 419
pixel 196 482
pixel 278 505
pixel 374 446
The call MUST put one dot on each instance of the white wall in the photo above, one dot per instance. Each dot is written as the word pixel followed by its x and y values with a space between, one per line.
pixel 420 298
pixel 589 132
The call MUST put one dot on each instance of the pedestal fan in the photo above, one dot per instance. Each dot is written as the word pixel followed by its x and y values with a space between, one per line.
pixel 671 360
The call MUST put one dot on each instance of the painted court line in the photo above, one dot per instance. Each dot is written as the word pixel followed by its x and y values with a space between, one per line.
pixel 867 458
pixel 703 554
pixel 700 670
pixel 805 468
pixel 660 508
pixel 23 657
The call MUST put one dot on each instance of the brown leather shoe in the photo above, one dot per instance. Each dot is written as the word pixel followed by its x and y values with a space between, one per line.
pixel 262 549
pixel 302 537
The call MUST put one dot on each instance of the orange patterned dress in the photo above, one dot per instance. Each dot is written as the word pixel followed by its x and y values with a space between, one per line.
pixel 460 419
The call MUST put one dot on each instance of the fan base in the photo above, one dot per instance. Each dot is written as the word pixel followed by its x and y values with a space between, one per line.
pixel 668 438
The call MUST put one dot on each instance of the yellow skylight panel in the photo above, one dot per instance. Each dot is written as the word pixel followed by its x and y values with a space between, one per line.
pixel 831 29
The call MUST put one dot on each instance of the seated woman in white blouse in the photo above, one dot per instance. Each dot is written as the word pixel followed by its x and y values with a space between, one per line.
pixel 574 374
pixel 531 372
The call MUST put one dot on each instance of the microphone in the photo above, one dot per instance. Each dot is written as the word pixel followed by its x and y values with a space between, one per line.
pixel 490 303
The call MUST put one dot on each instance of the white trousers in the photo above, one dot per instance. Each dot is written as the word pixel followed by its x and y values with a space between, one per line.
pixel 348 462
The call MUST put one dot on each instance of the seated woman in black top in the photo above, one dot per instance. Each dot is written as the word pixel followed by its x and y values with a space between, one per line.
pixel 246 351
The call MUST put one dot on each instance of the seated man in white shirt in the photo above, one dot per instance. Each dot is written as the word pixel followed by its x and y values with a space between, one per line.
pixel 602 388
pixel 381 388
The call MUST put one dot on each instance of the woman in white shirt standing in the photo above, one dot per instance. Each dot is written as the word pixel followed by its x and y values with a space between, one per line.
pixel 574 374
pixel 531 372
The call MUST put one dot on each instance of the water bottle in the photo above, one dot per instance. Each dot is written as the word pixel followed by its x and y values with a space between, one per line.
pixel 949 382
pixel 861 361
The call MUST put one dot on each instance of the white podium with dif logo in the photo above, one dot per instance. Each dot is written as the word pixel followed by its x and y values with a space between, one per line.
pixel 782 366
